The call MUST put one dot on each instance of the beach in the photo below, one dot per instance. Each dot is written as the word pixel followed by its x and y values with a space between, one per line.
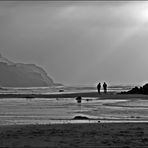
pixel 73 74
pixel 114 120
pixel 109 95
pixel 125 135
pixel 63 107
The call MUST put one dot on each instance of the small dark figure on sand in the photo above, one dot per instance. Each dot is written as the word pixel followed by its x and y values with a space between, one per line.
pixel 99 87
pixel 79 99
pixel 105 87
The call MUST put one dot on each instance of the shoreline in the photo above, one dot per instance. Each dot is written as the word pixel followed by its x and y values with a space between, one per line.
pixel 109 95
pixel 18 119
pixel 51 95
pixel 67 122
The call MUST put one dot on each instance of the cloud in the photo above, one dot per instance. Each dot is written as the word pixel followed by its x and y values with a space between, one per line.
pixel 72 39
pixel 103 14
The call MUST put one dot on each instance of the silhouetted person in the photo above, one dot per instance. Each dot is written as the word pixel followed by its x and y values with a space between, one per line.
pixel 105 87
pixel 99 87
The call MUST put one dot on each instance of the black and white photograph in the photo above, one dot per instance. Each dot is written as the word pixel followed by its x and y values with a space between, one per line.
pixel 73 74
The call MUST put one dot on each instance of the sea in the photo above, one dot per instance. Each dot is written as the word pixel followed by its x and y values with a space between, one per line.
pixel 15 111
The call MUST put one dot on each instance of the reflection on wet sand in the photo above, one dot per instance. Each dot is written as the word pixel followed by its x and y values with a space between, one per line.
pixel 51 110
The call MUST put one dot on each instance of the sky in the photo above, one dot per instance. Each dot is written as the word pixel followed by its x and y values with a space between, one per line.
pixel 78 42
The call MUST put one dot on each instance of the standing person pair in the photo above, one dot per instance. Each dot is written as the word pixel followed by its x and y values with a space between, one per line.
pixel 104 87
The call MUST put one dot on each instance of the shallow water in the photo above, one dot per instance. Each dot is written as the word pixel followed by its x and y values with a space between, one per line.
pixel 56 89
pixel 62 110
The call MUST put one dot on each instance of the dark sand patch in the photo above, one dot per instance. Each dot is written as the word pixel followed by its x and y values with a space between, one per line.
pixel 75 135
pixel 110 95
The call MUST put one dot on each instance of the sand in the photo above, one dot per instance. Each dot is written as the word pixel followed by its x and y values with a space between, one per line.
pixel 86 135
pixel 110 95
pixel 100 135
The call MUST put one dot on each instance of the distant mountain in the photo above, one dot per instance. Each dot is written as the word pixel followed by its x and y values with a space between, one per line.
pixel 22 75
pixel 5 60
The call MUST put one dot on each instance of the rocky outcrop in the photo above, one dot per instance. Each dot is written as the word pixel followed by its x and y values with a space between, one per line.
pixel 138 90
pixel 80 118
pixel 22 75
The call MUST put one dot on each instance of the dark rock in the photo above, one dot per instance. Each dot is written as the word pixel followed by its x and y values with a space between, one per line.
pixel 138 90
pixel 61 90
pixel 81 118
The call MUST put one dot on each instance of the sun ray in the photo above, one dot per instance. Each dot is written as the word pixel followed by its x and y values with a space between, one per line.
pixel 140 18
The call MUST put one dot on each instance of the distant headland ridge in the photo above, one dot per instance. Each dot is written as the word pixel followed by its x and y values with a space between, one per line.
pixel 23 75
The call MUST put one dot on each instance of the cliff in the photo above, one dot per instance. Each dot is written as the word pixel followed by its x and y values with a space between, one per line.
pixel 22 75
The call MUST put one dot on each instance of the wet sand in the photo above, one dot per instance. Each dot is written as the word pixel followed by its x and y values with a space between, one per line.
pixel 125 135
pixel 86 135
pixel 109 95
pixel 52 95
